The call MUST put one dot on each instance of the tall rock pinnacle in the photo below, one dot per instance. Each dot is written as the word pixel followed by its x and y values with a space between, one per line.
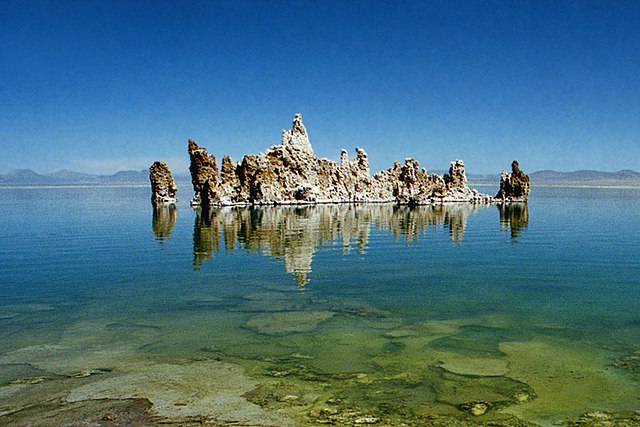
pixel 514 186
pixel 296 139
pixel 163 187
pixel 204 175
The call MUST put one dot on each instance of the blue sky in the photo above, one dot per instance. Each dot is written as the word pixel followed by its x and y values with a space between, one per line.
pixel 100 86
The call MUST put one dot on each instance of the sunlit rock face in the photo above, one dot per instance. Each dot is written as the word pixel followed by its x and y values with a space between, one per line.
pixel 291 173
pixel 204 175
pixel 514 186
pixel 163 187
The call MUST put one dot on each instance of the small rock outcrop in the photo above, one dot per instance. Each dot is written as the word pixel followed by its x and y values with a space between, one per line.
pixel 291 173
pixel 163 187
pixel 514 187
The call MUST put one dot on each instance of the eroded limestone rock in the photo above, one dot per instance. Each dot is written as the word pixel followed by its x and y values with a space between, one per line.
pixel 204 175
pixel 163 187
pixel 514 186
pixel 291 173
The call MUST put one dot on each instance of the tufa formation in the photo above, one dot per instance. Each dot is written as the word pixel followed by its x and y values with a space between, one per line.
pixel 163 187
pixel 291 173
pixel 514 187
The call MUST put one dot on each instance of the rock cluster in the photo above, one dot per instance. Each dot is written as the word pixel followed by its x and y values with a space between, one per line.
pixel 291 173
pixel 514 186
pixel 163 187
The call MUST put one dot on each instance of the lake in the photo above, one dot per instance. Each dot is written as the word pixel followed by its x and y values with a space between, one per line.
pixel 525 314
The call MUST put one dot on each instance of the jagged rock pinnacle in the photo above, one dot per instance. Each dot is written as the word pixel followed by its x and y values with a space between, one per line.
pixel 514 186
pixel 291 173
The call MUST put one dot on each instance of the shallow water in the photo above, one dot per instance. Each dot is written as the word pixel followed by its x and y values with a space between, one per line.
pixel 331 313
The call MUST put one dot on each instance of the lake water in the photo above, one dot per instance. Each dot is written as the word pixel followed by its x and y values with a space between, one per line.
pixel 445 315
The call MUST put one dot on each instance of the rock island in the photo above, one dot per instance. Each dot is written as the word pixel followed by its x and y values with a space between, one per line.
pixel 291 173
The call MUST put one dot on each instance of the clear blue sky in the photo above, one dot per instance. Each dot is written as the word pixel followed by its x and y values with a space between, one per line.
pixel 99 86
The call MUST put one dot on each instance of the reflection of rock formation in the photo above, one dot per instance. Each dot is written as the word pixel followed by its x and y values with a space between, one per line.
pixel 164 218
pixel 455 217
pixel 163 187
pixel 288 233
pixel 294 233
pixel 291 173
pixel 410 221
pixel 514 216
pixel 206 237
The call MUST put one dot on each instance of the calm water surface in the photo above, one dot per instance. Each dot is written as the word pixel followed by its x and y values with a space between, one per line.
pixel 528 311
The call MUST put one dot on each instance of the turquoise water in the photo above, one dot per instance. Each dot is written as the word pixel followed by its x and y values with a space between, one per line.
pixel 336 313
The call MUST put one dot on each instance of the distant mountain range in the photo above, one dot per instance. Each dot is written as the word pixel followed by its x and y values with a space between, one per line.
pixel 587 177
pixel 582 178
pixel 27 177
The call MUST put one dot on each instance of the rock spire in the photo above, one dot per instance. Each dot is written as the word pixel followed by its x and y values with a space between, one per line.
pixel 204 175
pixel 514 186
pixel 291 173
pixel 163 187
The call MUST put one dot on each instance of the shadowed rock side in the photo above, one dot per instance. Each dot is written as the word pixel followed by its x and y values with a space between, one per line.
pixel 163 187
pixel 514 187
pixel 204 175
pixel 293 234
pixel 291 173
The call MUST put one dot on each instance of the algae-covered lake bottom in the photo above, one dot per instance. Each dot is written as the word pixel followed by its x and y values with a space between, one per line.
pixel 347 315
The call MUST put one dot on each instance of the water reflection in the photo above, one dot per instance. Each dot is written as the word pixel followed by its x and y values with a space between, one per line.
pixel 206 237
pixel 411 221
pixel 164 219
pixel 290 233
pixel 514 217
pixel 293 234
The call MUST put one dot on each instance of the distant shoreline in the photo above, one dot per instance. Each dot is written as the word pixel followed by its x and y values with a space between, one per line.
pixel 61 186
pixel 606 186
pixel 27 178
pixel 568 185
pixel 471 184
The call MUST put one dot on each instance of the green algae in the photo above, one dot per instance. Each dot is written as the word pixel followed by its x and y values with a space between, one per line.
pixel 479 367
pixel 606 419
pixel 386 400
pixel 473 341
pixel 631 363
pixel 88 372
pixel 30 380
pixel 6 315
pixel 341 370
pixel 461 390
pixel 351 365
pixel 21 373
pixel 569 378
pixel 284 323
